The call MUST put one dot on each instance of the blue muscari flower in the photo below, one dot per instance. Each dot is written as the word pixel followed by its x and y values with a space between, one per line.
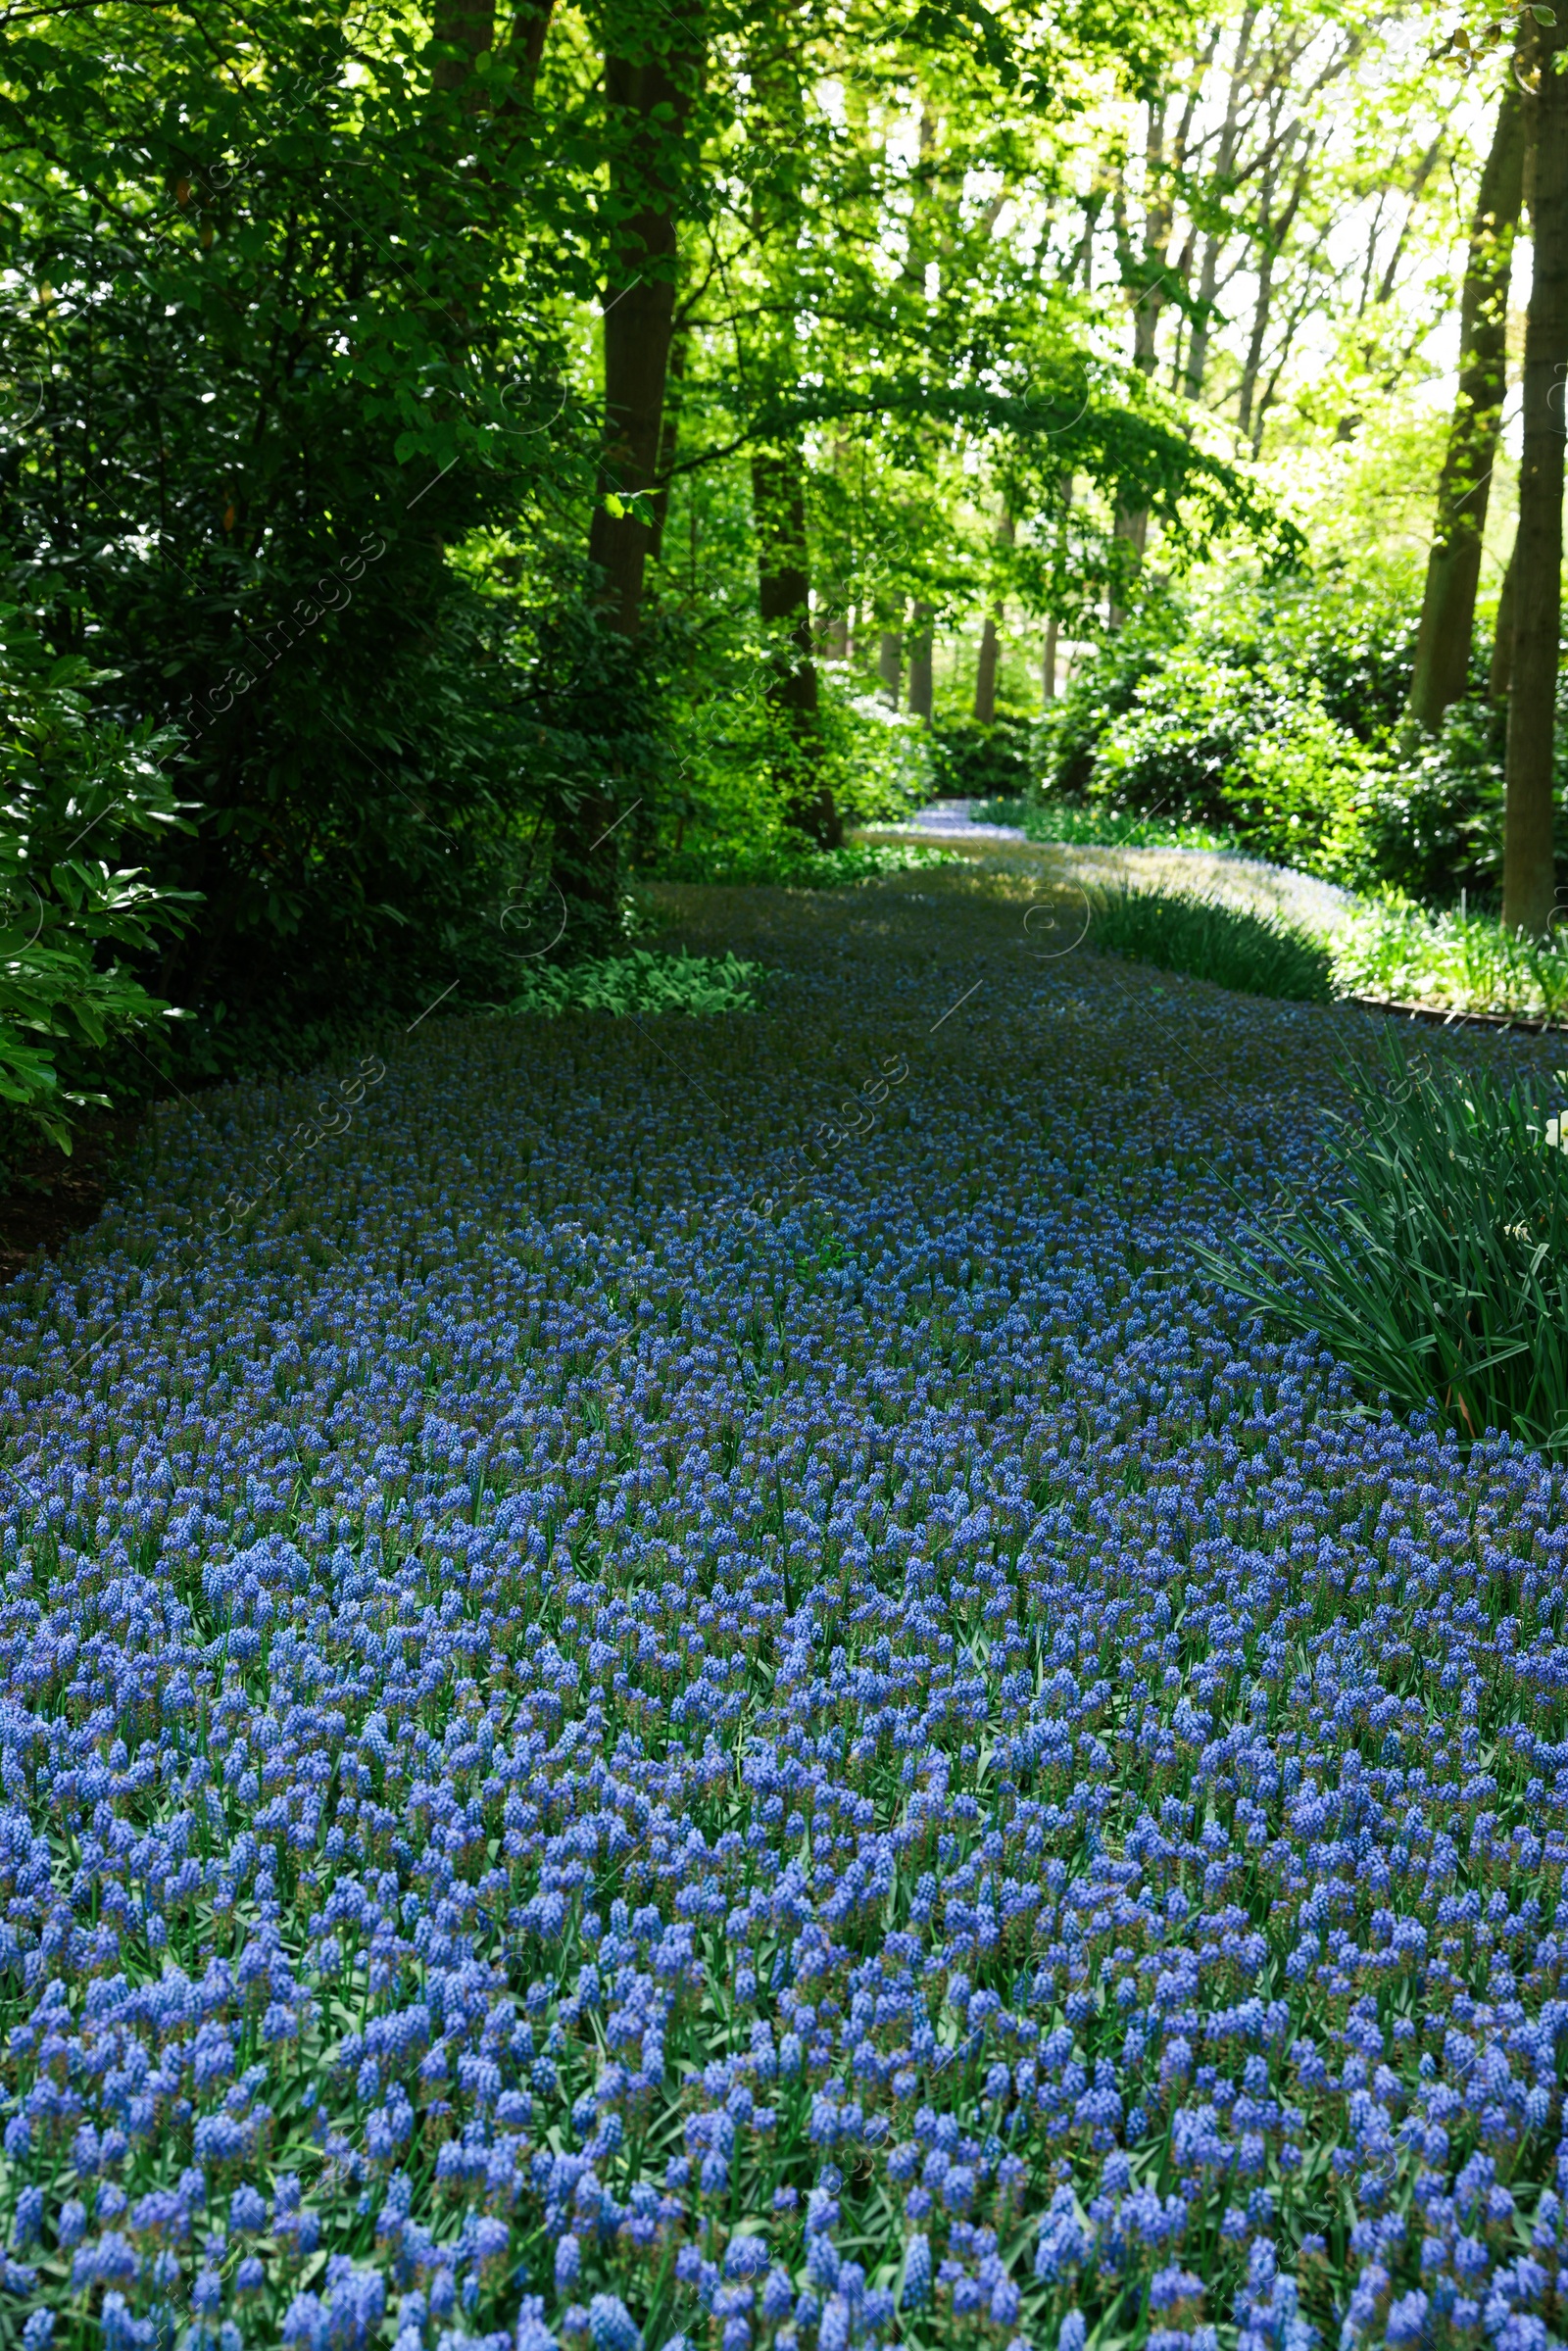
pixel 610 2324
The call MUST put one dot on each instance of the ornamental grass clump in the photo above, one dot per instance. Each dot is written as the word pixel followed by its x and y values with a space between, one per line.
pixel 1438 1266
pixel 1209 940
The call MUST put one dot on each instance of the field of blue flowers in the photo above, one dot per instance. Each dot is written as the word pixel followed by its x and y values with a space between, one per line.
pixel 586 1762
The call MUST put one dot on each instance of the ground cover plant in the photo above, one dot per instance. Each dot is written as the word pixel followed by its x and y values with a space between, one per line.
pixel 1455 960
pixel 781 864
pixel 585 1762
pixel 640 981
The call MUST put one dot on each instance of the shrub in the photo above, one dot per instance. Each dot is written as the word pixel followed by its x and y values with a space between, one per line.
pixel 641 982
pixel 1099 691
pixel 1432 822
pixel 978 762
pixel 1353 635
pixel 1433 817
pixel 1269 712
pixel 1211 940
pixel 1439 1266
pixel 881 763
pixel 1254 750
pixel 76 796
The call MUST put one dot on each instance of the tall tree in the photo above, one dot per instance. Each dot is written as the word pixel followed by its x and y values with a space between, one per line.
pixel 889 664
pixel 653 62
pixel 784 598
pixel 1527 879
pixel 984 676
pixel 1501 672
pixel 776 129
pixel 1453 566
pixel 653 56
pixel 922 680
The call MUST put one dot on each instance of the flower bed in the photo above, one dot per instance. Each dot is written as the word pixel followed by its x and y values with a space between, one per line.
pixel 584 1764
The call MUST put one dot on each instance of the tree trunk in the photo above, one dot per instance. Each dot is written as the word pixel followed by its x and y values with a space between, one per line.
pixel 1133 531
pixel 920 675
pixel 467 26
pixel 1527 878
pixel 651 98
pixel 890 664
pixel 784 598
pixel 985 674
pixel 1454 567
pixel 1048 663
pixel 1501 670
pixel 1224 162
pixel 648 96
pixel 1261 308
pixel 669 438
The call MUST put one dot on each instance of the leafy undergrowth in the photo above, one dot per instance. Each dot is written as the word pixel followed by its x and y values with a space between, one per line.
pixel 641 981
pixel 1457 962
pixel 1210 940
pixel 584 1764
pixel 1095 827
pixel 781 866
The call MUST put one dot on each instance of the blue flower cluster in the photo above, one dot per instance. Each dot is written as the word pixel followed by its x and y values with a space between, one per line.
pixel 583 1767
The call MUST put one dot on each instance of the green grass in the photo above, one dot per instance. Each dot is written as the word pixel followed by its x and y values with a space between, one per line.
pixel 1439 1266
pixel 1095 828
pixel 641 981
pixel 774 864
pixel 1209 940
pixel 1457 962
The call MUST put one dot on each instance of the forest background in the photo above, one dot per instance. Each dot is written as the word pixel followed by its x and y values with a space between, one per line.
pixel 449 468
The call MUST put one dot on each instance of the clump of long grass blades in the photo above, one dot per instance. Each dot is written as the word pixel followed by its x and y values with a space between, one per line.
pixel 1095 827
pixel 1456 961
pixel 1439 1265
pixel 641 981
pixel 1209 940
pixel 779 865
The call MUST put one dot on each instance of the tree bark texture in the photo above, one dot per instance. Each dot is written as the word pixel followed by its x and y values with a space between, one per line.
pixel 784 598
pixel 984 676
pixel 469 28
pixel 890 664
pixel 1501 671
pixel 1527 878
pixel 921 680
pixel 985 673
pixel 1453 566
pixel 649 81
pixel 1224 164
pixel 668 439
pixel 650 97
